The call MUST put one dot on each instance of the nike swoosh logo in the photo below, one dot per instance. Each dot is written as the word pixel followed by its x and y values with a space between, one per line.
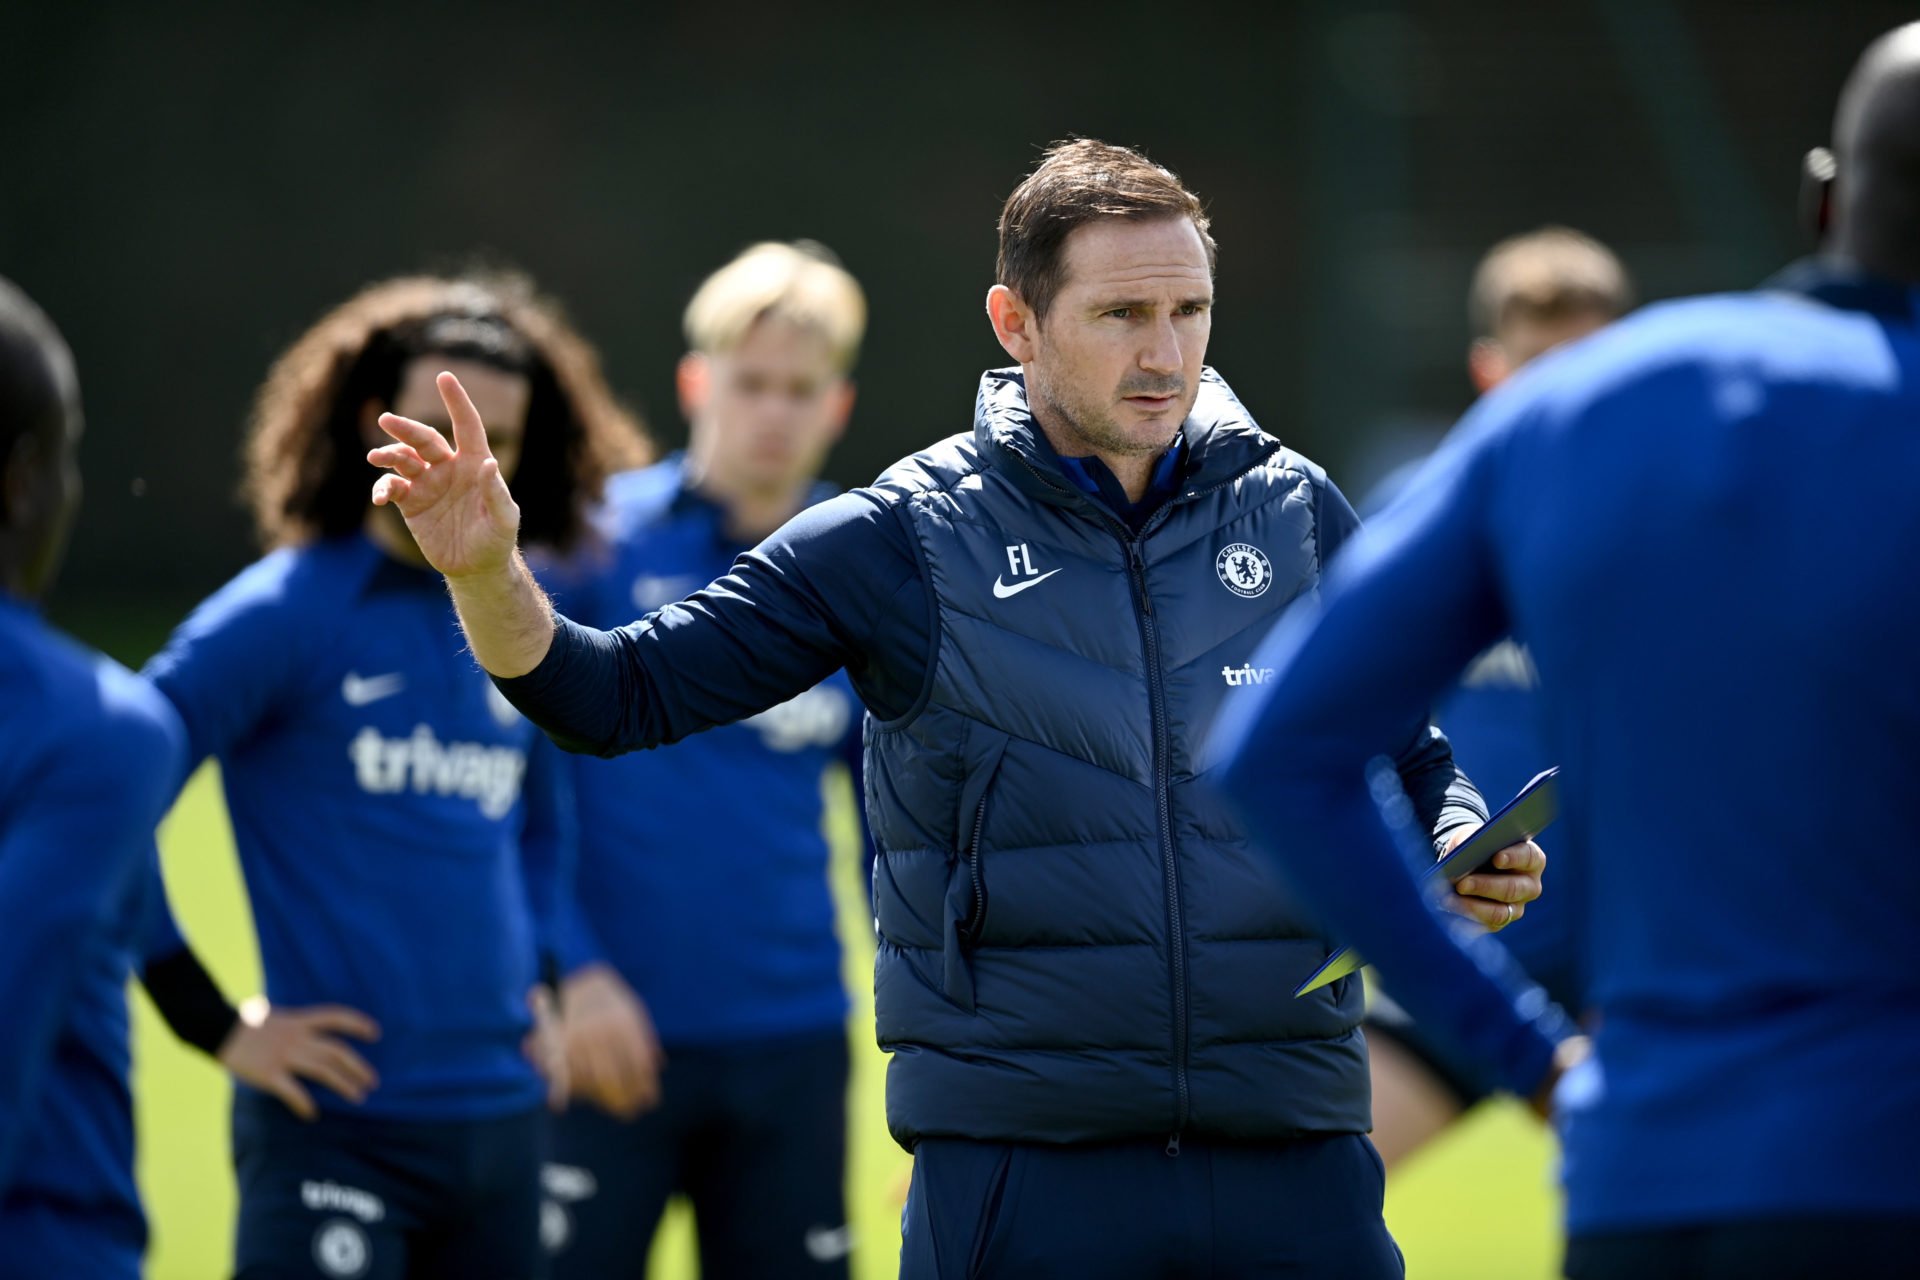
pixel 1001 590
pixel 829 1246
pixel 361 690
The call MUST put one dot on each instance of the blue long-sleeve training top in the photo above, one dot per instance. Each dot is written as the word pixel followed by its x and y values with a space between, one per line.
pixel 90 759
pixel 703 871
pixel 1701 523
pixel 403 832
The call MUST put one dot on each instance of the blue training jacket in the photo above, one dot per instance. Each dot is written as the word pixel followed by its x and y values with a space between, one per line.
pixel 702 875
pixel 1076 942
pixel 91 756
pixel 1726 672
pixel 404 833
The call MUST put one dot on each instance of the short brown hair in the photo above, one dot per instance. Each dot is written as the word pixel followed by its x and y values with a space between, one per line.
pixel 801 283
pixel 1546 275
pixel 306 473
pixel 1078 181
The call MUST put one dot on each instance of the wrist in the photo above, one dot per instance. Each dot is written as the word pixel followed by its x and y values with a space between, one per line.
pixel 190 1001
pixel 508 622
pixel 250 1015
pixel 494 580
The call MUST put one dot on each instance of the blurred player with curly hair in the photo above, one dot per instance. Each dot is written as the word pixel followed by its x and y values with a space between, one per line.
pixel 328 682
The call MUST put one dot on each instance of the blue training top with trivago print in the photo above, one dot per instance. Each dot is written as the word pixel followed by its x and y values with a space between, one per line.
pixel 401 828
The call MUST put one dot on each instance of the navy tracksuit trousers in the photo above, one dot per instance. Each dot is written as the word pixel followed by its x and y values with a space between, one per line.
pixel 1135 1211
pixel 354 1198
pixel 755 1134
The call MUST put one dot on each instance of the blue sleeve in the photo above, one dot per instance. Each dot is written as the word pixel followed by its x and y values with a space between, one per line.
pixel 225 668
pixel 1409 603
pixel 160 935
pixel 69 857
pixel 806 602
pixel 1443 797
pixel 186 995
pixel 549 847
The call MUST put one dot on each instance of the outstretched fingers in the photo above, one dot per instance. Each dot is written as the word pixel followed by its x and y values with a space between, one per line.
pixel 391 489
pixel 430 445
pixel 469 433
pixel 341 1020
pixel 399 457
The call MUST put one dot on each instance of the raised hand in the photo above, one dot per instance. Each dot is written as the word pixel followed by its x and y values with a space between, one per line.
pixel 275 1049
pixel 453 496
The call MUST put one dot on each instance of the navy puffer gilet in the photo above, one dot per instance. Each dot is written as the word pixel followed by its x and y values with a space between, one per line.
pixel 1076 941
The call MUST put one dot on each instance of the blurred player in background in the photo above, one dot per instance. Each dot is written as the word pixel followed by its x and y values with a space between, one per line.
pixel 702 881
pixel 328 682
pixel 1702 524
pixel 1530 294
pixel 91 752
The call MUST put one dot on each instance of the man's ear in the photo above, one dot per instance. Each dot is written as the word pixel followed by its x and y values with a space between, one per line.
pixel 692 379
pixel 1818 169
pixel 1013 323
pixel 18 494
pixel 1487 364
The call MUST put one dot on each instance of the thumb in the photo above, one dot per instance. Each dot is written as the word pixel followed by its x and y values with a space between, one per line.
pixel 499 499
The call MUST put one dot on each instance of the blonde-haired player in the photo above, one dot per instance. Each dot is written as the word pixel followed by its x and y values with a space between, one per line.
pixel 702 880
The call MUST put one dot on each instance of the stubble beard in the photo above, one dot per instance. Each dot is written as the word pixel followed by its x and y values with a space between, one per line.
pixel 1093 429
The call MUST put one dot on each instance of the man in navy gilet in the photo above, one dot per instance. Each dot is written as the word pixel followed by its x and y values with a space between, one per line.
pixel 1084 968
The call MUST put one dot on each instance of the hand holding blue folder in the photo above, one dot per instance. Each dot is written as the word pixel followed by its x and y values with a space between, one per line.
pixel 1524 817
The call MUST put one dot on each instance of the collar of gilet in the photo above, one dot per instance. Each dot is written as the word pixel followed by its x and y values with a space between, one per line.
pixel 1223 441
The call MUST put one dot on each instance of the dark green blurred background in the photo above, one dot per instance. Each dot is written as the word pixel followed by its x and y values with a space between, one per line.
pixel 185 191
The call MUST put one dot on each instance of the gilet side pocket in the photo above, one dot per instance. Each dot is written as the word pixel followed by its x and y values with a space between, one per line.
pixel 966 903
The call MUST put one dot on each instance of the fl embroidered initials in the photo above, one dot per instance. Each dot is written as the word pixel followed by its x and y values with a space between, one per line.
pixel 1020 561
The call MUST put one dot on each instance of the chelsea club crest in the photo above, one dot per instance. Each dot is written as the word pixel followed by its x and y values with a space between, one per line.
pixel 1244 570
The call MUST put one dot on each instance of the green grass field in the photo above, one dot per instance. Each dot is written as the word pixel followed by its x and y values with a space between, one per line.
pixel 1480 1205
